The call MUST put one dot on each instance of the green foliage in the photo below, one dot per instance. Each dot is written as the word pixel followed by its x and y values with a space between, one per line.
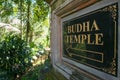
pixel 43 72
pixel 14 56
pixel 37 73
pixel 32 74
pixel 37 17
pixel 42 34
pixel 14 52
pixel 6 8
pixel 40 10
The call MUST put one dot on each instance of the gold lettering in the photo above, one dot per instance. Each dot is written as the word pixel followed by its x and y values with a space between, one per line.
pixel 94 26
pixel 79 39
pixel 84 37
pixel 89 39
pixel 73 28
pixel 86 26
pixel 79 27
pixel 69 29
pixel 71 39
pixel 67 37
pixel 76 39
pixel 98 40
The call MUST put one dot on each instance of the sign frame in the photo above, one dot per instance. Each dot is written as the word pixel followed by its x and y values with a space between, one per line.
pixel 113 69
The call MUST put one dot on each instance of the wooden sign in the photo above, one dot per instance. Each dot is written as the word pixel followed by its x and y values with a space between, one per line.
pixel 91 39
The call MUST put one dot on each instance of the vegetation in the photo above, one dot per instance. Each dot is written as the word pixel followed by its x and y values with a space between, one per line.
pixel 43 72
pixel 24 31
pixel 14 57
pixel 27 15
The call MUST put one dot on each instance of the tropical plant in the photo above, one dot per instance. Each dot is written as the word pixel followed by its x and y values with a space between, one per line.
pixel 29 12
pixel 34 27
pixel 14 57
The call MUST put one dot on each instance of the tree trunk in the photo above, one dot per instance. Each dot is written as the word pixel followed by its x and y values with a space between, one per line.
pixel 28 21
pixel 21 18
pixel 31 36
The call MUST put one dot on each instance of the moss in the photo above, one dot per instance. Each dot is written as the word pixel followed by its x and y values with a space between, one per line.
pixel 54 75
pixel 43 72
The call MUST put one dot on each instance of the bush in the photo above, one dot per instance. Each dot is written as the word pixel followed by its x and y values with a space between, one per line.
pixel 14 57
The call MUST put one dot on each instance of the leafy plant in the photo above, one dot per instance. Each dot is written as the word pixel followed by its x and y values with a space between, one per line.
pixel 37 72
pixel 14 56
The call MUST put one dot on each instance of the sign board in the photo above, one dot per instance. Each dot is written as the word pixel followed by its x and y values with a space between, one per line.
pixel 91 39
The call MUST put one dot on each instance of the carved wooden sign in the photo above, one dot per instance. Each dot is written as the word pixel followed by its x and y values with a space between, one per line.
pixel 91 39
